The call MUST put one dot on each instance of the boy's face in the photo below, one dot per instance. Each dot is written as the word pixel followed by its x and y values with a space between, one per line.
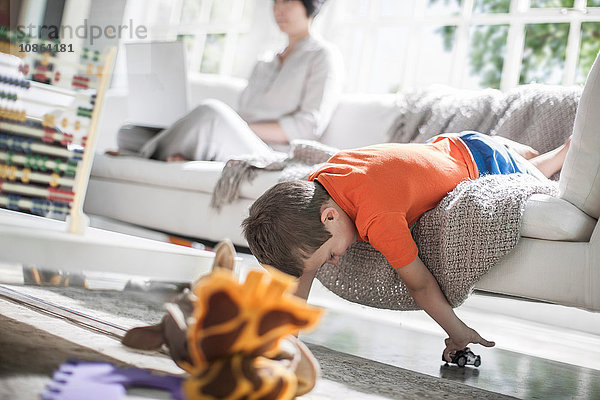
pixel 343 232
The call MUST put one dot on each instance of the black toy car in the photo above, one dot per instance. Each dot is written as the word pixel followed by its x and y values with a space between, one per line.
pixel 464 357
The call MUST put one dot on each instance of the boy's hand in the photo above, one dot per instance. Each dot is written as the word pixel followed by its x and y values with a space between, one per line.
pixel 427 293
pixel 459 343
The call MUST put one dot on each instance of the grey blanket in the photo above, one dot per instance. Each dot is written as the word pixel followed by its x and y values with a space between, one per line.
pixel 540 116
pixel 304 157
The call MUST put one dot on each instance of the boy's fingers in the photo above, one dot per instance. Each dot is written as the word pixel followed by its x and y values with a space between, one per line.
pixel 486 343
pixel 447 352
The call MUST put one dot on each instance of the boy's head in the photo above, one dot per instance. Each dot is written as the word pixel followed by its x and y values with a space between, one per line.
pixel 296 225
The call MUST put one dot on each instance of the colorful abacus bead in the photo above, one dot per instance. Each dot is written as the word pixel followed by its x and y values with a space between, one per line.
pixel 60 195
pixel 81 82
pixel 48 136
pixel 26 175
pixel 46 59
pixel 84 112
pixel 67 139
pixel 12 173
pixel 49 120
pixel 54 181
pixel 71 168
pixel 24 69
pixel 60 208
pixel 40 206
pixel 13 202
pixel 57 164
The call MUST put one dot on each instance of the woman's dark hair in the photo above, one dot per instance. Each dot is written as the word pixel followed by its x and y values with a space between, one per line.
pixel 312 7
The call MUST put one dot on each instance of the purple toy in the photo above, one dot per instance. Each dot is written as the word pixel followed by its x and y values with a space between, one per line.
pixel 76 380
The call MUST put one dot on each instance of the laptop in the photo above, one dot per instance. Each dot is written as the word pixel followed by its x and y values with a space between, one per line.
pixel 158 85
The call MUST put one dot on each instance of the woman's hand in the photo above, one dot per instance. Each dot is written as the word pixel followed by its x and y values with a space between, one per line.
pixel 459 342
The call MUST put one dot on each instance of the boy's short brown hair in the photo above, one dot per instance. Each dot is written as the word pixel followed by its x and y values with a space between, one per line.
pixel 284 226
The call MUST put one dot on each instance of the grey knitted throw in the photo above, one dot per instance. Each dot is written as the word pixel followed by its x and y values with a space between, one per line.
pixel 304 157
pixel 459 241
pixel 537 115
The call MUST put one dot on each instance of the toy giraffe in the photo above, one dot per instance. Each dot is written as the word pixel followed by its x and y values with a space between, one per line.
pixel 236 340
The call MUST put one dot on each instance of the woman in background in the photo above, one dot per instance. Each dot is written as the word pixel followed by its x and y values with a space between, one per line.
pixel 289 97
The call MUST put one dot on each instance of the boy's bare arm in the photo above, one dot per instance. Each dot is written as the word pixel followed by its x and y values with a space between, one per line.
pixel 427 293
pixel 304 283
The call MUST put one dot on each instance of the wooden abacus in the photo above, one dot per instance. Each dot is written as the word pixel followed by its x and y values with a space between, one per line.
pixel 49 111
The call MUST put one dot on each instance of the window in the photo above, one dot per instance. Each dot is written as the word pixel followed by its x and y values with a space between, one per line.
pixel 212 29
pixel 390 44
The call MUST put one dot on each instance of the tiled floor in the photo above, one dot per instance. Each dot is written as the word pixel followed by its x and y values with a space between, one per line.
pixel 543 351
pixel 530 360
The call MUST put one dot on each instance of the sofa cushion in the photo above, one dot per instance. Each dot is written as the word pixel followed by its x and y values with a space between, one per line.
pixel 198 176
pixel 551 218
pixel 361 120
pixel 580 176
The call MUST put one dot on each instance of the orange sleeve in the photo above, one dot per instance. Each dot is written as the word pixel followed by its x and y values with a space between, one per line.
pixel 390 235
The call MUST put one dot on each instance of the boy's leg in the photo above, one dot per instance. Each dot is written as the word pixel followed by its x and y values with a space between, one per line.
pixel 527 152
pixel 551 162
pixel 493 157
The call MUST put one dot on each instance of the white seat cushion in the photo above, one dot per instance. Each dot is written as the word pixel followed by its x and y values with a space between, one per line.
pixel 198 176
pixel 551 218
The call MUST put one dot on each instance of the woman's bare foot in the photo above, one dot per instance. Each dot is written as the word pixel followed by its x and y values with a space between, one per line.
pixel 551 162
pixel 176 157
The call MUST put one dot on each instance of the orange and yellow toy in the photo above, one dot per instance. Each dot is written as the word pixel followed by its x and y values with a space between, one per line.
pixel 237 340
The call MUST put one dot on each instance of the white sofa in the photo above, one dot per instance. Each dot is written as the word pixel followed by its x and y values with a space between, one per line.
pixel 557 259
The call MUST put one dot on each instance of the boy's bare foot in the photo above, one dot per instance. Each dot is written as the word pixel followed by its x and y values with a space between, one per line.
pixel 176 157
pixel 551 162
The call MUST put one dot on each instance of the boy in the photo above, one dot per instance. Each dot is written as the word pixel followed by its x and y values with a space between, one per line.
pixel 375 194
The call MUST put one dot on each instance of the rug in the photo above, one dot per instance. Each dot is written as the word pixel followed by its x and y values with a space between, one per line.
pixel 29 355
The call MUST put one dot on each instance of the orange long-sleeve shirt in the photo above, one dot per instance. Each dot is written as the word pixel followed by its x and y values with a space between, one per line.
pixel 385 188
